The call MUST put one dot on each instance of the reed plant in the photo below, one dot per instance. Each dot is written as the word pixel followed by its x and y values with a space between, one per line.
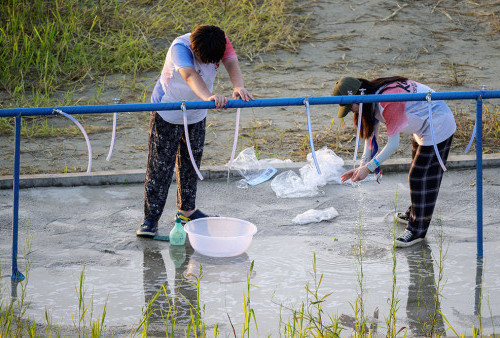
pixel 437 321
pixel 164 308
pixel 84 319
pixel 311 320
pixel 392 319
pixel 358 306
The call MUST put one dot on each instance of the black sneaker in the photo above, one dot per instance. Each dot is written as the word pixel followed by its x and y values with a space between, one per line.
pixel 195 215
pixel 147 229
pixel 402 217
pixel 407 238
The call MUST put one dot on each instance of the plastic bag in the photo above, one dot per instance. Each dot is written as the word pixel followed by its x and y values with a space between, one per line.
pixel 247 164
pixel 330 164
pixel 253 170
pixel 291 185
pixel 288 185
pixel 313 216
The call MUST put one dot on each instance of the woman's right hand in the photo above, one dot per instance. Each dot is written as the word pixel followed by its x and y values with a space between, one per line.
pixel 347 175
pixel 220 100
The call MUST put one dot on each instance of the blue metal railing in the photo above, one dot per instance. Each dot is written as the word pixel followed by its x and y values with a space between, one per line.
pixel 479 96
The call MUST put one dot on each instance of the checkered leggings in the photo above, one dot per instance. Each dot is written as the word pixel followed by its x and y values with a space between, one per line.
pixel 168 147
pixel 425 179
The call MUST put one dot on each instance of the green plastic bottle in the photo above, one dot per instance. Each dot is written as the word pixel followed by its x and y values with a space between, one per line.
pixel 177 234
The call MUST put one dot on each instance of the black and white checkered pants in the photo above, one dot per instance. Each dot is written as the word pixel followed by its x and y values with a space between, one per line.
pixel 168 148
pixel 425 179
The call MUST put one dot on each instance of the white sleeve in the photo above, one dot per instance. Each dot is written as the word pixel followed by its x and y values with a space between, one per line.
pixel 391 146
pixel 367 156
pixel 367 152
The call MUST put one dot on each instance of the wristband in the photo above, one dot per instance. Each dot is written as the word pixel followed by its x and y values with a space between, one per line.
pixel 376 161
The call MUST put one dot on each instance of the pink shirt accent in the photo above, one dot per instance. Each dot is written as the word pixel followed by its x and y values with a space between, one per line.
pixel 229 53
pixel 394 113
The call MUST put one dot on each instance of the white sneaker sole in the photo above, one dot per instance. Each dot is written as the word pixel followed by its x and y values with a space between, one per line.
pixel 399 244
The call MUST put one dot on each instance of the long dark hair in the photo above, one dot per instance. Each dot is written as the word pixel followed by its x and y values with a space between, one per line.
pixel 371 87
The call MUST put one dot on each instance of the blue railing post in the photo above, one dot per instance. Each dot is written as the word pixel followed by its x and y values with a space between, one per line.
pixel 16 275
pixel 479 175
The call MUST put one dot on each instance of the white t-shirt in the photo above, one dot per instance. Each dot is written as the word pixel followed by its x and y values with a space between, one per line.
pixel 412 117
pixel 172 87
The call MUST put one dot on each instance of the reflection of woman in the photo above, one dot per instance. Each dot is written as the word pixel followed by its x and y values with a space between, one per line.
pixel 155 278
pixel 408 118
pixel 423 307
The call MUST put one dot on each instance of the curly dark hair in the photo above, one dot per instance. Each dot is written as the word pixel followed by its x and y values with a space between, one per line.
pixel 208 43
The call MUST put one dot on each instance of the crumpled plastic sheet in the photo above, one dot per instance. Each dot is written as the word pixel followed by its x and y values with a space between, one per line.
pixel 290 185
pixel 314 216
pixel 250 167
pixel 331 167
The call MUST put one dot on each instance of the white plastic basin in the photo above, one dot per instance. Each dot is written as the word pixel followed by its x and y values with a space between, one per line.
pixel 220 236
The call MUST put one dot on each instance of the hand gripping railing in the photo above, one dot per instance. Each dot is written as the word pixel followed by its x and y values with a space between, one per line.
pixel 479 96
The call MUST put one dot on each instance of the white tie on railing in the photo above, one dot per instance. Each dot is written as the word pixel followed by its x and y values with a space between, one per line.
pixel 483 88
pixel 89 148
pixel 113 133
pixel 311 143
pixel 186 134
pixel 429 102
pixel 360 115
pixel 235 142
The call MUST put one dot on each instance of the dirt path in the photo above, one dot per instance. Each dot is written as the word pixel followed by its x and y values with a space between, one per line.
pixel 450 45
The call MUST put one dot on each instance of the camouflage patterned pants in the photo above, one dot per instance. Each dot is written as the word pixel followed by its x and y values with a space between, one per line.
pixel 168 148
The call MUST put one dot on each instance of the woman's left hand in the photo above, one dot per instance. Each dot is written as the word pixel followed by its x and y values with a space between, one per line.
pixel 242 93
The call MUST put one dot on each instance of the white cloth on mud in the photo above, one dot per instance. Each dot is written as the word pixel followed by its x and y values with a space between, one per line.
pixel 314 216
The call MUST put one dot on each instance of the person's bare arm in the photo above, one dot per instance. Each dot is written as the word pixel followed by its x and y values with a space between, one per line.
pixel 233 69
pixel 199 87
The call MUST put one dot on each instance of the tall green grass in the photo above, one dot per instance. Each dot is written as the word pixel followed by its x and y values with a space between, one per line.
pixel 50 45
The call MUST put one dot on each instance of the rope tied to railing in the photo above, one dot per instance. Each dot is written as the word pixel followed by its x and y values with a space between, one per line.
pixel 311 143
pixel 89 147
pixel 429 102
pixel 113 133
pixel 235 142
pixel 186 133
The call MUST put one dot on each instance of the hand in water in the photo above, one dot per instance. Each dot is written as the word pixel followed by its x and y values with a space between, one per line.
pixel 355 175
pixel 347 175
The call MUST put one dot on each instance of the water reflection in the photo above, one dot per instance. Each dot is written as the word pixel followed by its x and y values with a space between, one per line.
pixel 220 270
pixel 478 288
pixel 423 307
pixel 189 267
pixel 177 301
pixel 479 321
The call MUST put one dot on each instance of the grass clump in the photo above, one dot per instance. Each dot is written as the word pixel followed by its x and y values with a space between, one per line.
pixel 491 129
pixel 48 45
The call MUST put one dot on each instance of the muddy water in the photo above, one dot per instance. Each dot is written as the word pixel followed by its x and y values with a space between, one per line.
pixel 95 227
pixel 283 265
